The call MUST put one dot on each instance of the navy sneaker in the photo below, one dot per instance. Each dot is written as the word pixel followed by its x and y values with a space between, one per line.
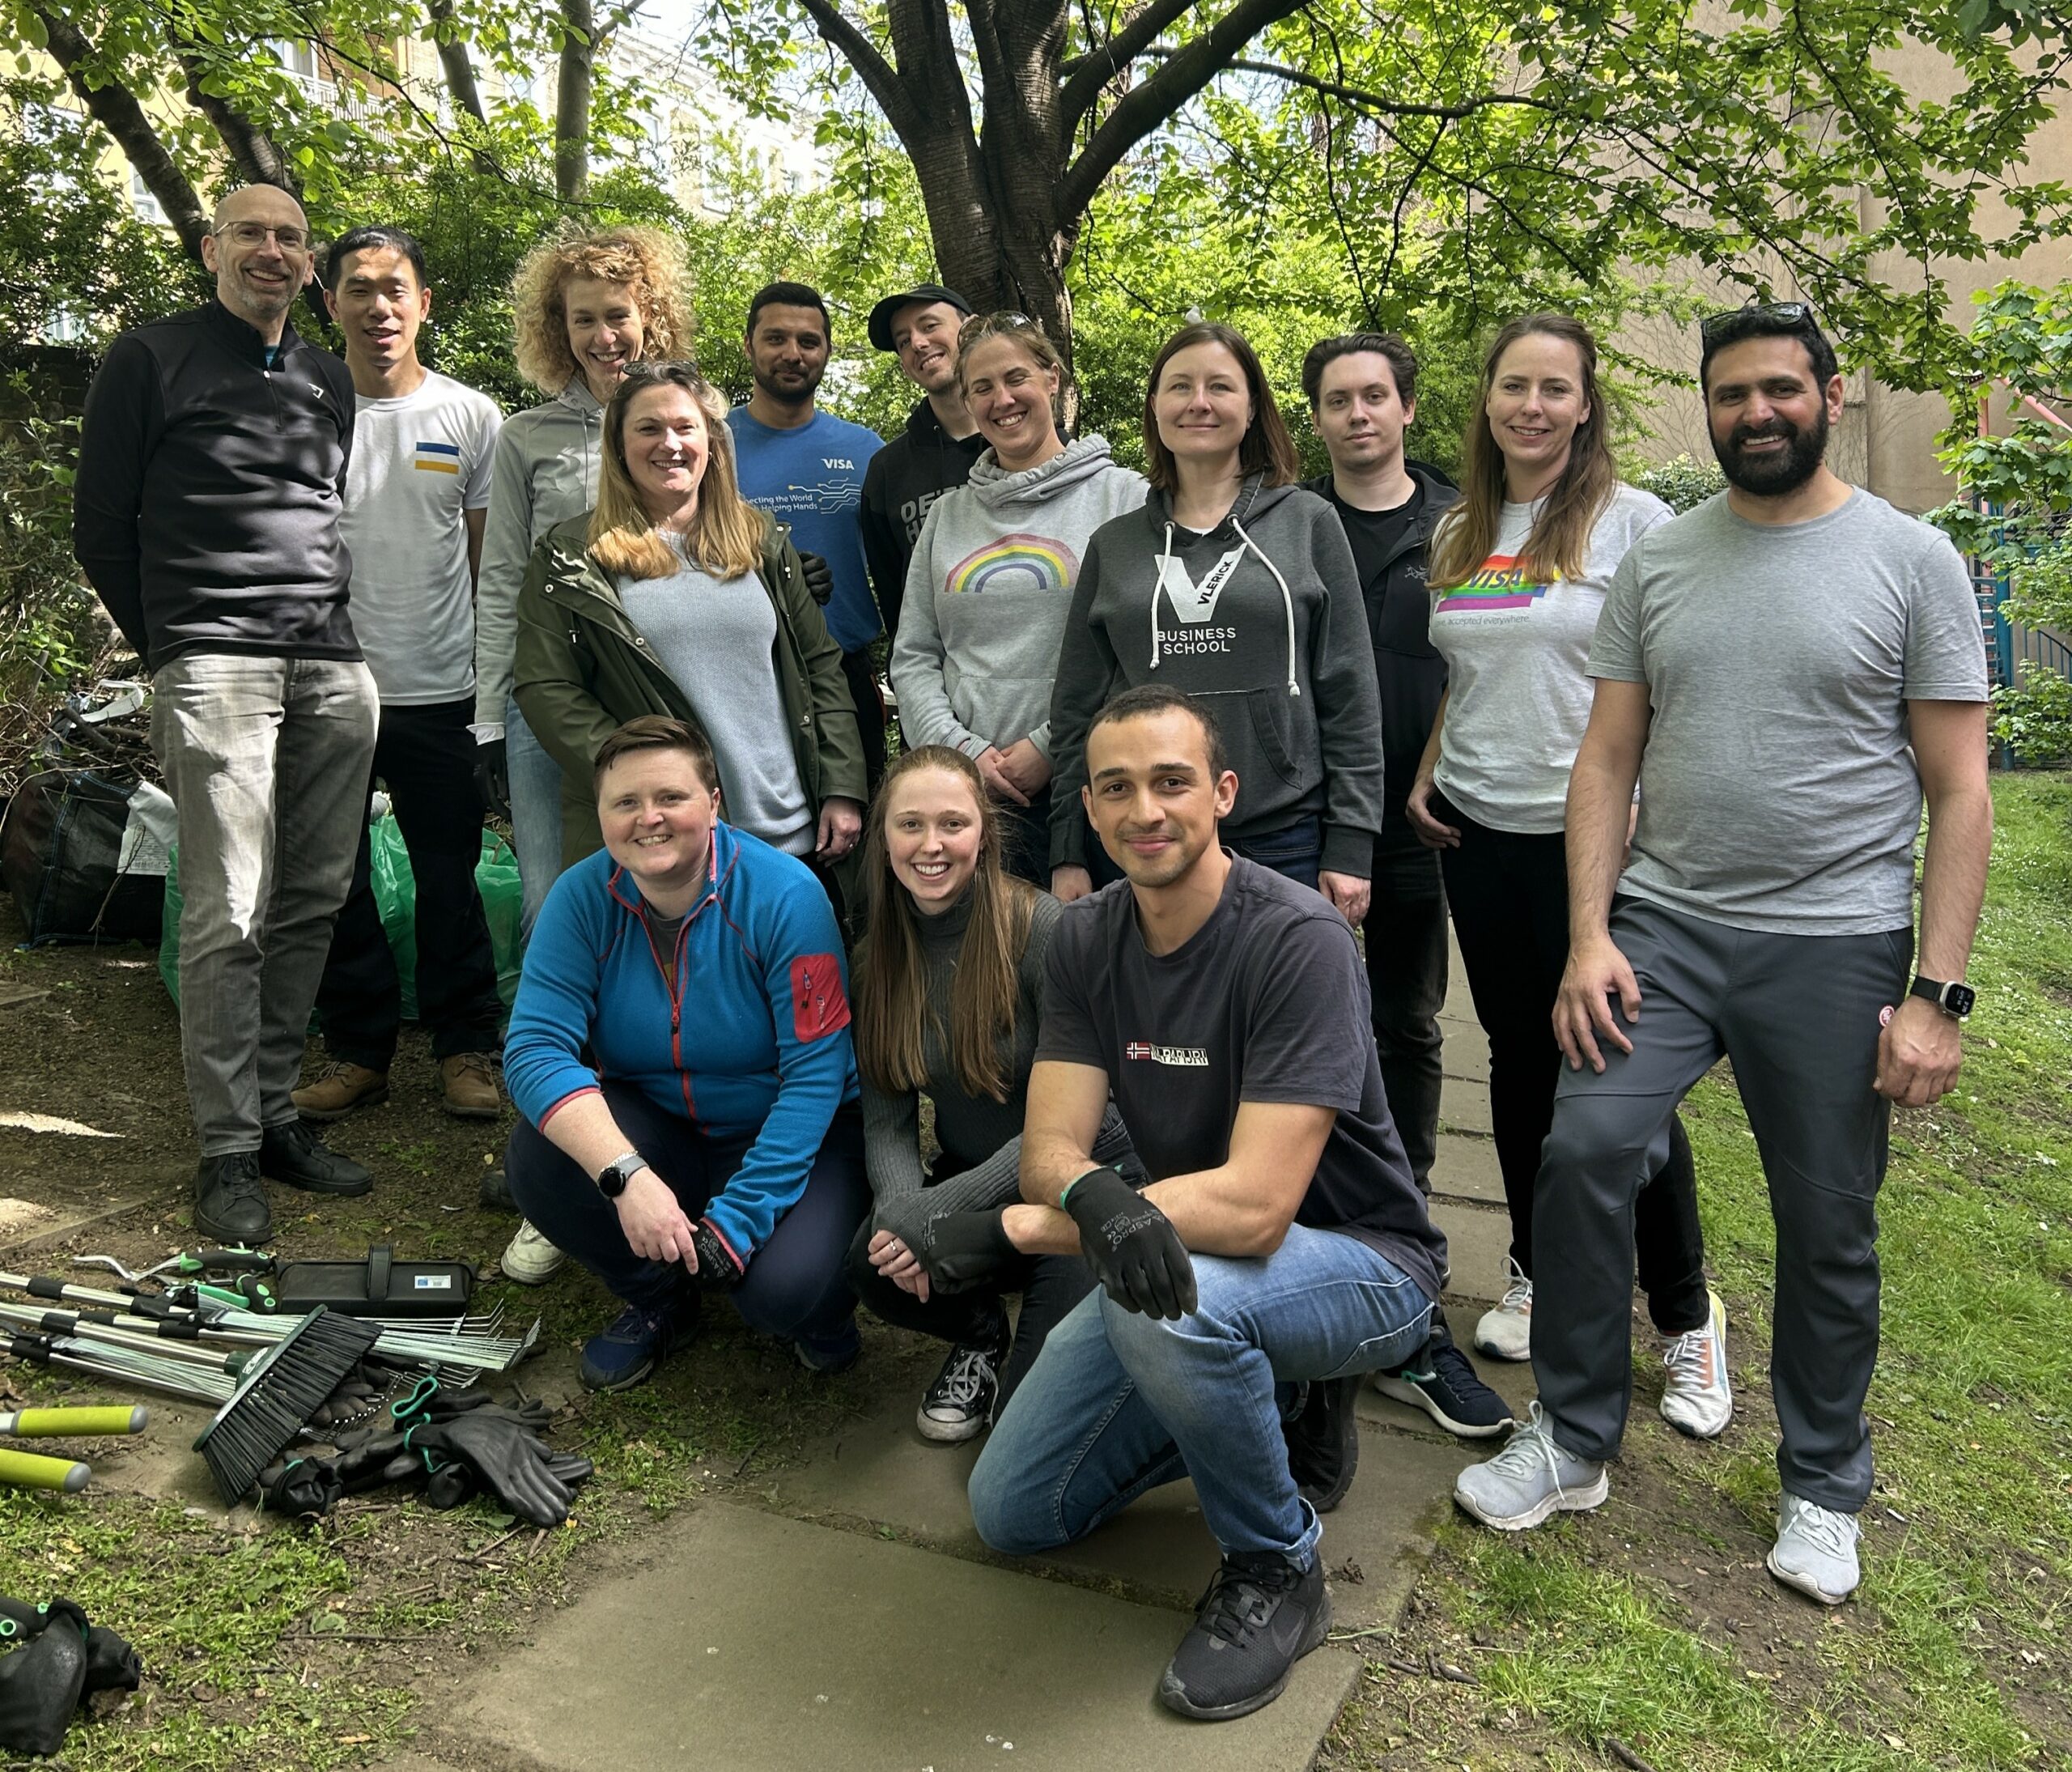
pixel 835 1352
pixel 1441 1382
pixel 618 1358
pixel 1260 1616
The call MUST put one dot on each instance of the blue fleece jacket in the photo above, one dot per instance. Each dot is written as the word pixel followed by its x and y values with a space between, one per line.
pixel 750 1036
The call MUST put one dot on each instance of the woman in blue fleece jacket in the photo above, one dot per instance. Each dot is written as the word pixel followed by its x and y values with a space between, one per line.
pixel 680 1052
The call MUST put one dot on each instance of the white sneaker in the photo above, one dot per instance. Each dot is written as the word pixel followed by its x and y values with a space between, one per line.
pixel 1815 1551
pixel 1532 1478
pixel 1697 1399
pixel 531 1259
pixel 1505 1332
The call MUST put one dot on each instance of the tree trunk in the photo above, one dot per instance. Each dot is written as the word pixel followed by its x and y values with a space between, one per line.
pixel 453 49
pixel 252 149
pixel 571 110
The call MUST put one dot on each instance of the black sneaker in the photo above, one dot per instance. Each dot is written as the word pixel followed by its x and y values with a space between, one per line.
pixel 495 1194
pixel 1323 1442
pixel 230 1201
pixel 960 1403
pixel 1260 1616
pixel 1441 1382
pixel 292 1153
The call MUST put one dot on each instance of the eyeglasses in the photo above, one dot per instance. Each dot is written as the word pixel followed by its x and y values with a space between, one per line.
pixel 1757 316
pixel 289 240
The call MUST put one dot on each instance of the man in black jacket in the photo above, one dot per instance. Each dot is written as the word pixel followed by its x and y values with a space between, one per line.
pixel 1362 390
pixel 934 454
pixel 212 458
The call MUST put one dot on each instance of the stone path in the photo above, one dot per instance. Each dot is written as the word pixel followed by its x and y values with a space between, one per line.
pixel 854 1623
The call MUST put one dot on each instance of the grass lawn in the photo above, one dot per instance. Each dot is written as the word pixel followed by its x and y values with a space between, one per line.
pixel 1649 1635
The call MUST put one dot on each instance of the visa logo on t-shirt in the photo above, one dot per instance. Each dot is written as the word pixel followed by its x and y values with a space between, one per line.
pixel 1499 583
pixel 437 457
pixel 837 461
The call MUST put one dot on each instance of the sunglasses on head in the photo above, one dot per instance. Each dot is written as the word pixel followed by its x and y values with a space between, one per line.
pixel 1756 317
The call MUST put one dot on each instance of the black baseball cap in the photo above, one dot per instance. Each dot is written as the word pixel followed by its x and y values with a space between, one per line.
pixel 881 325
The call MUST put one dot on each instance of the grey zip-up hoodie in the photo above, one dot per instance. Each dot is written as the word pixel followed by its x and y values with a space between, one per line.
pixel 544 473
pixel 988 592
pixel 1263 619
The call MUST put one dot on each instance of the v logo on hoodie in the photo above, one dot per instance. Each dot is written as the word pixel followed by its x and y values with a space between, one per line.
pixel 1193 602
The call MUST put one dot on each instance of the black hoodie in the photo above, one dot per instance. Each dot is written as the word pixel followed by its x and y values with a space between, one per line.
pixel 904 479
pixel 1261 618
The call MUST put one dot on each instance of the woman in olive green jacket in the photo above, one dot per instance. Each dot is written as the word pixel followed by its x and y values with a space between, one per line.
pixel 672 538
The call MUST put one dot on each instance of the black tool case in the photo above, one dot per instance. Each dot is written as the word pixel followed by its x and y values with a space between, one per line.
pixel 379 1287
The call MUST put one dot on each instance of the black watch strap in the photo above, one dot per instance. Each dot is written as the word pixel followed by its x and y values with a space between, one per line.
pixel 613 1178
pixel 1953 997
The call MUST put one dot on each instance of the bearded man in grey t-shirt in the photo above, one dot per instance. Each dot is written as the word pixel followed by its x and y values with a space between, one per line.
pixel 1785 672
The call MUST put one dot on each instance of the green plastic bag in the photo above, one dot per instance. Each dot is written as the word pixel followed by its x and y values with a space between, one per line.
pixel 395 896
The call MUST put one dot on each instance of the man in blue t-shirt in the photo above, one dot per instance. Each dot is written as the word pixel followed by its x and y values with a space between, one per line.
pixel 806 468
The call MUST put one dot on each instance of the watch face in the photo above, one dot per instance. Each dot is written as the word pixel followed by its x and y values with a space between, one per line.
pixel 1958 999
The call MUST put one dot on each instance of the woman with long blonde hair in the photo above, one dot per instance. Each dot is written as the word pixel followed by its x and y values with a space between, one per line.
pixel 1518 571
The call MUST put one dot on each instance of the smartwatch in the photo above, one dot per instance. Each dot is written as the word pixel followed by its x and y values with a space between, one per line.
pixel 1954 999
pixel 613 1178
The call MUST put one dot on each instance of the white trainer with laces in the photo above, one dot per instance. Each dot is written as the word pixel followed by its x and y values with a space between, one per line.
pixel 1531 1478
pixel 1697 1399
pixel 1504 1332
pixel 1815 1551
pixel 529 1259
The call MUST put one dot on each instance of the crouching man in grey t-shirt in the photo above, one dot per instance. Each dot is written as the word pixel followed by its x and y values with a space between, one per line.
pixel 1785 671
pixel 1282 1245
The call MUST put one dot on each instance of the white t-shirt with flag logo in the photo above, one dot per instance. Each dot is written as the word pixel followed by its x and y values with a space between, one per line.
pixel 419 463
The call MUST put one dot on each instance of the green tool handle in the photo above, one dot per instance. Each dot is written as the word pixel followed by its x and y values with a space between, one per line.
pixel 44 1424
pixel 28 1470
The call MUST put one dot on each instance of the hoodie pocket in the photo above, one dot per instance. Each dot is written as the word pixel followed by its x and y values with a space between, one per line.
pixel 1272 734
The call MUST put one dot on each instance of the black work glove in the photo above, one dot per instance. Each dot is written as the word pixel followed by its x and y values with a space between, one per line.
pixel 1132 1246
pixel 718 1269
pixel 445 1405
pixel 374 1458
pixel 819 576
pixel 493 777
pixel 456 1485
pixel 511 1461
pixel 40 1682
pixel 959 1249
pixel 302 1488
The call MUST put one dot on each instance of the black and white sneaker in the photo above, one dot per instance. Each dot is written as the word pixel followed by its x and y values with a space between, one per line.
pixel 1323 1441
pixel 960 1403
pixel 1260 1616
pixel 1441 1382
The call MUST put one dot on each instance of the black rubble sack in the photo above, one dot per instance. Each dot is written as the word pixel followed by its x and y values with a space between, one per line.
pixel 40 1682
pixel 60 855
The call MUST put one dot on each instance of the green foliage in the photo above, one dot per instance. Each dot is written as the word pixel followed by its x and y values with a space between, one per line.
pixel 1682 484
pixel 47 625
pixel 2035 720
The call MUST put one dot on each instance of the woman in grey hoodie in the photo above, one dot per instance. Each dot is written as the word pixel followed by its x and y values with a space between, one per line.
pixel 991 583
pixel 1233 585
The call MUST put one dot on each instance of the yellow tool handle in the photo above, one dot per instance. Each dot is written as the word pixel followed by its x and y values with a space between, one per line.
pixel 29 1470
pixel 44 1424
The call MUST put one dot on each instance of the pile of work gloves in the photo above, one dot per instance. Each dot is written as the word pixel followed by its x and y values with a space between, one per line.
pixel 458 1443
pixel 52 1661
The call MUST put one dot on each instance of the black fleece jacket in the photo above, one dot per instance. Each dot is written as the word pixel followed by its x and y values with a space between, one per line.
pixel 903 479
pixel 205 509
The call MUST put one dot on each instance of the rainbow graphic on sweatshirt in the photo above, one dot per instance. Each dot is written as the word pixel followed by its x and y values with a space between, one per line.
pixel 1498 583
pixel 1015 563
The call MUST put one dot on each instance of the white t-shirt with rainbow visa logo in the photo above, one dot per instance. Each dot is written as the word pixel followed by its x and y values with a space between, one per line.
pixel 1515 650
pixel 419 463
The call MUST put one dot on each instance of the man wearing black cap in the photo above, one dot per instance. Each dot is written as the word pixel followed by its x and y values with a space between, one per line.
pixel 934 452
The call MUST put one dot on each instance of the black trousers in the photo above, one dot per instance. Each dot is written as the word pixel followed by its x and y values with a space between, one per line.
pixel 426 757
pixel 1405 932
pixel 1508 892
pixel 862 675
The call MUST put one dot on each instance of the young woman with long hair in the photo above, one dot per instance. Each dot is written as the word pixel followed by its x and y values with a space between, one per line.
pixel 1234 585
pixel 948 1004
pixel 991 581
pixel 1518 571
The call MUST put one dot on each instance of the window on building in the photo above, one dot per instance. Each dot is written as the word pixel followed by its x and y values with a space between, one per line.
pixel 147 207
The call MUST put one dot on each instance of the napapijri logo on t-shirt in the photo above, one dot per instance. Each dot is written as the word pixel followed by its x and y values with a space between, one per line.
pixel 1190 1057
pixel 1193 602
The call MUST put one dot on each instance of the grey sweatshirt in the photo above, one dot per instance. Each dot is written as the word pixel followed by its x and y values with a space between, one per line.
pixel 544 473
pixel 977 1129
pixel 987 593
pixel 1263 619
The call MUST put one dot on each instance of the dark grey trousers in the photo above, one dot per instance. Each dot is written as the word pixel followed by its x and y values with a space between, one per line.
pixel 1798 1016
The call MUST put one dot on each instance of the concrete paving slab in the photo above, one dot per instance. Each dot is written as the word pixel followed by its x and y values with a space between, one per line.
pixel 1478 1238
pixel 1464 1107
pixel 1465 1051
pixel 755 1644
pixel 1466 1167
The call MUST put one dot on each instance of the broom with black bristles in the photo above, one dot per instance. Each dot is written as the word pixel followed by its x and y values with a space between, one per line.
pixel 277 1393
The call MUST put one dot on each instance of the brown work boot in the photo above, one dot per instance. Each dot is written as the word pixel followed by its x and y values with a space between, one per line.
pixel 469 1080
pixel 339 1088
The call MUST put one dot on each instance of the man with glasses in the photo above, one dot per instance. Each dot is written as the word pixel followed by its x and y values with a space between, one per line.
pixel 212 464
pixel 1766 915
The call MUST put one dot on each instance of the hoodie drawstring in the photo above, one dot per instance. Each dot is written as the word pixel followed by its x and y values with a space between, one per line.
pixel 1287 599
pixel 1157 589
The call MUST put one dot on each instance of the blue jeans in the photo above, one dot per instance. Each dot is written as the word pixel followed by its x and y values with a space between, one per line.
pixel 535 814
pixel 1296 850
pixel 1118 1402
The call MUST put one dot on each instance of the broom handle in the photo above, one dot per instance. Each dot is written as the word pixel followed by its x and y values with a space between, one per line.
pixel 44 1424
pixel 28 1470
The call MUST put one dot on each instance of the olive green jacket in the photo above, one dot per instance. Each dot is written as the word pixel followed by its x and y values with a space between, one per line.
pixel 582 669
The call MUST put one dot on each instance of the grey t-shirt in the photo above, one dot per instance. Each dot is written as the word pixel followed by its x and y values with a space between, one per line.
pixel 1778 792
pixel 718 639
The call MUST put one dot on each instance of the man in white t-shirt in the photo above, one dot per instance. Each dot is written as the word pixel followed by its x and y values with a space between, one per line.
pixel 415 501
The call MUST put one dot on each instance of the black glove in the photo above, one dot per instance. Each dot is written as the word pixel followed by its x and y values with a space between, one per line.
pixel 444 1405
pixel 112 1665
pixel 719 1269
pixel 456 1485
pixel 493 777
pixel 42 1681
pixel 1132 1246
pixel 375 1458
pixel 511 1461
pixel 819 576
pixel 302 1488
pixel 960 1249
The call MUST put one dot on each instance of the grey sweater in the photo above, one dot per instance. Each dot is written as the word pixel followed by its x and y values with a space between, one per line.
pixel 976 1129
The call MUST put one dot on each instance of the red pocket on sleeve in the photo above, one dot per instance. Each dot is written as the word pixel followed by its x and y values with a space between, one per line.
pixel 818 1004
